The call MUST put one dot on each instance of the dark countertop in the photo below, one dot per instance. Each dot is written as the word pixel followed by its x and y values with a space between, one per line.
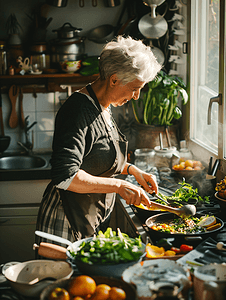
pixel 27 174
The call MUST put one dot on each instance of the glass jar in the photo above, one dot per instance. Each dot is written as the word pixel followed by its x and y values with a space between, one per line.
pixel 185 154
pixel 3 58
pixel 40 61
pixel 144 158
pixel 166 157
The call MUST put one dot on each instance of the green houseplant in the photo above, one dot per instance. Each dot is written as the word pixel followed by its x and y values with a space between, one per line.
pixel 159 105
pixel 13 29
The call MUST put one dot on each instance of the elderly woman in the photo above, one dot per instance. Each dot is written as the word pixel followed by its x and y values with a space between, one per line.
pixel 89 151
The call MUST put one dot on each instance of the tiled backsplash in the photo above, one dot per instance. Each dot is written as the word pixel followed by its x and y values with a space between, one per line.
pixel 42 110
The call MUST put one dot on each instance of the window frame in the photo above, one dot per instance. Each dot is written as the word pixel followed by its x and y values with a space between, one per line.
pixel 198 148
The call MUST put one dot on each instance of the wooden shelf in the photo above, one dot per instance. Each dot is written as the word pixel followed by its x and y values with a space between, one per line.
pixel 45 83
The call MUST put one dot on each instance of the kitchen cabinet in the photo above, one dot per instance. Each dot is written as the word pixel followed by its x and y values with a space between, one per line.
pixel 45 83
pixel 19 207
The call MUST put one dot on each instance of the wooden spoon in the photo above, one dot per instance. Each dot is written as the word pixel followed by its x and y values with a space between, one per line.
pixel 13 94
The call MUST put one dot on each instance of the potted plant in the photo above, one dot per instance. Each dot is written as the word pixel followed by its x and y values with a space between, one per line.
pixel 13 29
pixel 160 103
pixel 158 109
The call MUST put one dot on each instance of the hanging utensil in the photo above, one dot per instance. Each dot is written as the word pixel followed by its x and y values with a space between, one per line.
pixel 22 121
pixel 153 26
pixel 4 140
pixel 81 3
pixel 13 94
pixel 157 53
pixel 111 3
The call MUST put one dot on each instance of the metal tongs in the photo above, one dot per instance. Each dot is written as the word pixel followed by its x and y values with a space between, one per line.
pixel 184 211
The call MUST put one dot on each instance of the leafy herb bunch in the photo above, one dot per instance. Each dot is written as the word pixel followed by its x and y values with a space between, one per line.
pixel 160 102
pixel 185 193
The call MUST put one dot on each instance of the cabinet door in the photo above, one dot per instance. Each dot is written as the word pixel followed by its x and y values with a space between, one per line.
pixel 17 234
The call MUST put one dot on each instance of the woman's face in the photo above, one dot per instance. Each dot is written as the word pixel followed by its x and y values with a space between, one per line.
pixel 121 94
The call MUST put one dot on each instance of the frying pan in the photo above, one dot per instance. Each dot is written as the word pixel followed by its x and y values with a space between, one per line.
pixel 153 26
pixel 165 217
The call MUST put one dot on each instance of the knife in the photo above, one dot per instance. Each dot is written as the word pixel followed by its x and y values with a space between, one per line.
pixel 210 165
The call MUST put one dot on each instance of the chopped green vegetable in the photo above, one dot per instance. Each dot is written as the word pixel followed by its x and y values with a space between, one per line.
pixel 108 248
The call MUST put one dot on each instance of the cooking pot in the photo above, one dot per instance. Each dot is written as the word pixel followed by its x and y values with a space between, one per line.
pixel 69 46
pixel 67 31
pixel 210 282
pixel 165 217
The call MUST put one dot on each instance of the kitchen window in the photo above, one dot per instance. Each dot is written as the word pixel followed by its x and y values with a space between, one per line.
pixel 207 75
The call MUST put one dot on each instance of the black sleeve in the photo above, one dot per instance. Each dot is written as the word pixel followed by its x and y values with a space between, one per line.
pixel 72 136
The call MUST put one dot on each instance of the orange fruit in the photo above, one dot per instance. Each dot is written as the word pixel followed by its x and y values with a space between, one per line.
pixel 189 163
pixel 82 285
pixel 116 293
pixel 59 294
pixel 197 168
pixel 78 298
pixel 101 293
pixel 189 168
pixel 197 163
pixel 175 167
pixel 181 166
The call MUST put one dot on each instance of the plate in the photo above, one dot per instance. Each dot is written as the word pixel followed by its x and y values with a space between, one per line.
pixel 36 73
pixel 142 273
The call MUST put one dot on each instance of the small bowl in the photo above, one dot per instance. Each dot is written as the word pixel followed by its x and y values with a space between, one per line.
pixel 21 275
pixel 221 201
pixel 129 289
pixel 70 66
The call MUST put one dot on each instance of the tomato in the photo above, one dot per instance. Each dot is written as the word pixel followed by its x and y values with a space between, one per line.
pixel 185 248
pixel 176 250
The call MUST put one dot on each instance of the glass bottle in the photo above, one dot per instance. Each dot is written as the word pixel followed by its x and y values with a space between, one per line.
pixel 3 61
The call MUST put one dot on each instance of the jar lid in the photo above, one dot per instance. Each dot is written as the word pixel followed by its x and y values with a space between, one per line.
pixel 165 150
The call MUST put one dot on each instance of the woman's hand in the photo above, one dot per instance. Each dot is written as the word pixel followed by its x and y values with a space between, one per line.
pixel 133 194
pixel 146 180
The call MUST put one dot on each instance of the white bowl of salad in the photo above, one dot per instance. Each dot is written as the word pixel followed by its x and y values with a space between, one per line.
pixel 107 254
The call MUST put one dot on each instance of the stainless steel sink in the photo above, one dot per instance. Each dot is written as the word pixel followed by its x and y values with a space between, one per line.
pixel 22 162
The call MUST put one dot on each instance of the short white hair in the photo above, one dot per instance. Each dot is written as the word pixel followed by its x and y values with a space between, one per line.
pixel 129 59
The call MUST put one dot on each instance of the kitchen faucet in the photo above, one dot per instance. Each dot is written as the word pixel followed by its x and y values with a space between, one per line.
pixel 28 145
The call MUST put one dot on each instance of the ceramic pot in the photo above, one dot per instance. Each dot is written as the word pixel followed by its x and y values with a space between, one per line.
pixel 147 136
